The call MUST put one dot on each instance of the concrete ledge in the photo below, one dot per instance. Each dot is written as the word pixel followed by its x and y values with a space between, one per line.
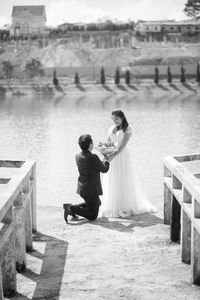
pixel 17 219
pixel 45 87
pixel 182 207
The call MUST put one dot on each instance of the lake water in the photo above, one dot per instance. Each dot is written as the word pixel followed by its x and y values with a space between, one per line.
pixel 47 129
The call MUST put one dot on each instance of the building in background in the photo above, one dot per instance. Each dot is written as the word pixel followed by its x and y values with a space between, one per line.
pixel 28 21
pixel 168 26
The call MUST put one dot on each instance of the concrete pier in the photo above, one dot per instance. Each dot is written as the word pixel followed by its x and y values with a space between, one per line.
pixel 182 203
pixel 17 212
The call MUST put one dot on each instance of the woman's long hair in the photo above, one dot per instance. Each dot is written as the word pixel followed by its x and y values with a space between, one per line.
pixel 121 115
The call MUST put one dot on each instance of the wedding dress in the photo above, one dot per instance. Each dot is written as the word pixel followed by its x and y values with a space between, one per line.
pixel 122 195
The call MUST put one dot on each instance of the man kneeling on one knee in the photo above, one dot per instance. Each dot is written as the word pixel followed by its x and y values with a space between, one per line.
pixel 89 183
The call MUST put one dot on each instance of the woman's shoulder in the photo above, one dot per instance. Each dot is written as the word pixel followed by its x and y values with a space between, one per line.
pixel 129 129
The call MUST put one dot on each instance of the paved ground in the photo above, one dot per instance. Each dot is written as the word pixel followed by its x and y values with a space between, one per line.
pixel 105 259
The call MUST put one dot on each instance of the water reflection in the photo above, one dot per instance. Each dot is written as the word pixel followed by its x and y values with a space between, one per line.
pixel 47 128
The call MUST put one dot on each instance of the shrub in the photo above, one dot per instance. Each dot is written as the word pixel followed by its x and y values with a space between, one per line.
pixel 156 75
pixel 169 75
pixel 198 74
pixel 2 90
pixel 127 77
pixel 34 68
pixel 76 78
pixel 55 79
pixel 117 76
pixel 182 78
pixel 102 78
pixel 8 70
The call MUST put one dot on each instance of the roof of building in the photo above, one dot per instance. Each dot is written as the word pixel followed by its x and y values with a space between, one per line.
pixel 36 10
pixel 171 22
pixel 182 23
pixel 156 21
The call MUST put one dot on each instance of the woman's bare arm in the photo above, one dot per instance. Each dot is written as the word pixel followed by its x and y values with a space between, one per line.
pixel 123 144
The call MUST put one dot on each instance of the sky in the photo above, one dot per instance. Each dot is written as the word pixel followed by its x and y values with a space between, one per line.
pixel 59 11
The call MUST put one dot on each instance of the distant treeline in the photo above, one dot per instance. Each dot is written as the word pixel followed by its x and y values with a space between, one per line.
pixel 106 26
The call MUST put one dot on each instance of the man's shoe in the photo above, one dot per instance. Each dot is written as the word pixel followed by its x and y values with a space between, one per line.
pixel 68 212
pixel 71 213
pixel 66 207
pixel 74 219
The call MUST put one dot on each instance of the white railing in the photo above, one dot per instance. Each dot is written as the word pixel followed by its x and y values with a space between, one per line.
pixel 182 207
pixel 17 219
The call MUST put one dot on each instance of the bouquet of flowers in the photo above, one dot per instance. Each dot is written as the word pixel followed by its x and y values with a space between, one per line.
pixel 105 148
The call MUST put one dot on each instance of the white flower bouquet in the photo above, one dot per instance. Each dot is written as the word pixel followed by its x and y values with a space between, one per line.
pixel 105 148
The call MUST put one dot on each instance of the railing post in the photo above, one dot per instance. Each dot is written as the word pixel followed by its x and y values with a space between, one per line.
pixel 195 253
pixel 186 230
pixel 1 287
pixel 28 222
pixel 195 257
pixel 33 199
pixel 167 204
pixel 19 227
pixel 185 238
pixel 176 212
pixel 175 220
pixel 7 258
pixel 28 215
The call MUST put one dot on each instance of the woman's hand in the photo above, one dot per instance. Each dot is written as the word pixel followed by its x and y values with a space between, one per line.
pixel 111 156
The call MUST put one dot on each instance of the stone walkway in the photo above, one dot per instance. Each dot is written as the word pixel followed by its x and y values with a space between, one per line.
pixel 129 259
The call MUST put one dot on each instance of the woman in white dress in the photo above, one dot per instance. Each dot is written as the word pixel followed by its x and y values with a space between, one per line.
pixel 121 194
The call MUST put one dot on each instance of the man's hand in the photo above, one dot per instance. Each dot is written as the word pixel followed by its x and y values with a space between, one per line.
pixel 106 157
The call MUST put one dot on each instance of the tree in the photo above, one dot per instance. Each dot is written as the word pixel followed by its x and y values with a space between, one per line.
pixel 169 75
pixel 192 8
pixel 2 91
pixel 117 76
pixel 76 79
pixel 55 79
pixel 127 77
pixel 34 68
pixel 156 75
pixel 102 78
pixel 8 70
pixel 198 74
pixel 182 79
pixel 56 83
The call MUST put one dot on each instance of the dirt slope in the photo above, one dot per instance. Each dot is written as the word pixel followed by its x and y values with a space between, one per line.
pixel 61 54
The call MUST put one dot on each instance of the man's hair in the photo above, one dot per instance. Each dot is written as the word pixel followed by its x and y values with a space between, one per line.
pixel 84 141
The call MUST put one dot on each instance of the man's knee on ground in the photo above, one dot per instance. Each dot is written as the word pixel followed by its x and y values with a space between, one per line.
pixel 92 217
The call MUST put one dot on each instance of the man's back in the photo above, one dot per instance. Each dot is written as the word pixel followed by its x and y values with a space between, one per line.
pixel 90 166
